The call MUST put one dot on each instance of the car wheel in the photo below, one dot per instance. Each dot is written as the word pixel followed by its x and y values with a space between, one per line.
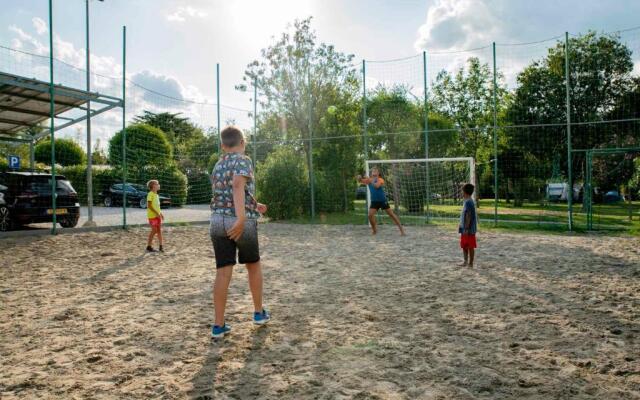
pixel 143 203
pixel 69 222
pixel 108 202
pixel 5 219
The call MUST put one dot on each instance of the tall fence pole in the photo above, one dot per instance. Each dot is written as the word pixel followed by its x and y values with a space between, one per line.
pixel 218 104
pixel 255 123
pixel 495 138
pixel 569 152
pixel 311 174
pixel 89 155
pixel 124 128
pixel 365 139
pixel 51 123
pixel 426 130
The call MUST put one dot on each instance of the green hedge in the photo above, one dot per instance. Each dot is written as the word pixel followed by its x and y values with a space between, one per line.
pixel 198 187
pixel 172 181
pixel 146 145
pixel 102 178
pixel 68 152
pixel 283 184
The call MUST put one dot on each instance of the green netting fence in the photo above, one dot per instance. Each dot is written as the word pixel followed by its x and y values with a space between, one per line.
pixel 552 128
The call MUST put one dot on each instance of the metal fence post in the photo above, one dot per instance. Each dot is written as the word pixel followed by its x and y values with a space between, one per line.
pixel 569 152
pixel 495 138
pixel 89 155
pixel 124 128
pixel 255 124
pixel 365 139
pixel 218 105
pixel 311 174
pixel 51 126
pixel 426 130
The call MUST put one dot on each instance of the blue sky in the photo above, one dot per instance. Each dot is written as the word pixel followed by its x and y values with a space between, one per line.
pixel 174 45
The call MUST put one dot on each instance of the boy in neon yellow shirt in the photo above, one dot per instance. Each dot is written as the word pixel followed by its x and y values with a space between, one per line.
pixel 153 214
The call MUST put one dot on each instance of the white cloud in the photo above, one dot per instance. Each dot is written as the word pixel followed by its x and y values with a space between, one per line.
pixel 40 25
pixel 182 13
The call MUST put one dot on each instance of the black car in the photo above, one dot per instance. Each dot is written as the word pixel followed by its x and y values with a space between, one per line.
pixel 25 198
pixel 136 195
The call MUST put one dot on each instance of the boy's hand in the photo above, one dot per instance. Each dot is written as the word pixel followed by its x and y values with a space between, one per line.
pixel 162 216
pixel 262 208
pixel 236 230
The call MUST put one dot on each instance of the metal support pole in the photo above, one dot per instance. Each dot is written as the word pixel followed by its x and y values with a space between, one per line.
pixel 311 174
pixel 218 105
pixel 569 153
pixel 124 128
pixel 89 155
pixel 588 190
pixel 51 126
pixel 255 123
pixel 426 131
pixel 495 138
pixel 32 155
pixel 365 139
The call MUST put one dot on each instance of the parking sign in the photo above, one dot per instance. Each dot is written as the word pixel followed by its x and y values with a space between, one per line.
pixel 14 162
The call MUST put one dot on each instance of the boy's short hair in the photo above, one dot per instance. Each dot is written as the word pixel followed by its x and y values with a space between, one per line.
pixel 231 136
pixel 468 189
pixel 151 183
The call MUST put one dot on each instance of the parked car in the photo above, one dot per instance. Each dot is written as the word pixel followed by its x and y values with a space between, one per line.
pixel 613 196
pixel 136 196
pixel 557 192
pixel 25 198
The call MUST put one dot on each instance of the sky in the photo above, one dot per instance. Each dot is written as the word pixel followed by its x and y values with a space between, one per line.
pixel 173 45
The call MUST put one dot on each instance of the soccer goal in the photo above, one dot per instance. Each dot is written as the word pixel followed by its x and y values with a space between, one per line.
pixel 422 189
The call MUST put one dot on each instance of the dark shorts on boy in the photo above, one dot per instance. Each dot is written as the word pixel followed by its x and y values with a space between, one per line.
pixel 376 205
pixel 468 241
pixel 246 248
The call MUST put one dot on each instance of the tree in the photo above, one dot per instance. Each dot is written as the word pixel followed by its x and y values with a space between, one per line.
pixel 298 80
pixel 146 146
pixel 466 98
pixel 599 77
pixel 67 152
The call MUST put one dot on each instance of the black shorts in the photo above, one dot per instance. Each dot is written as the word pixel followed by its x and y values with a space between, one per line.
pixel 376 205
pixel 225 249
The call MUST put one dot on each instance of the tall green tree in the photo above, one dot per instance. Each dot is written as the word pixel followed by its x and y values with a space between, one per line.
pixel 466 98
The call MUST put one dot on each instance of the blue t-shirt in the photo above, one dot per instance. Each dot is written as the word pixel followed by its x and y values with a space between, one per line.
pixel 470 207
pixel 377 194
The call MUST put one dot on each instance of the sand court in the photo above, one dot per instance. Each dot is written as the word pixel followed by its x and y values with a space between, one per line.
pixel 90 315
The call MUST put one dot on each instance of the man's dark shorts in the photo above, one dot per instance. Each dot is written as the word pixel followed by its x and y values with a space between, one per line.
pixel 376 205
pixel 225 249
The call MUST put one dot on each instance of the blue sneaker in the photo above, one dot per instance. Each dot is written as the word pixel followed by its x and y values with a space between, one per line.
pixel 261 318
pixel 219 331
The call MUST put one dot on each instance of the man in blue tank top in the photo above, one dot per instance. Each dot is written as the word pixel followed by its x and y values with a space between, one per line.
pixel 378 200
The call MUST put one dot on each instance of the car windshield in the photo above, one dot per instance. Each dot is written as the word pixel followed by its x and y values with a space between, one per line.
pixel 139 187
pixel 42 184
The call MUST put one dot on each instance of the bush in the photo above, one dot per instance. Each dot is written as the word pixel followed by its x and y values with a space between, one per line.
pixel 102 178
pixel 333 194
pixel 4 164
pixel 198 187
pixel 67 152
pixel 172 181
pixel 146 146
pixel 283 184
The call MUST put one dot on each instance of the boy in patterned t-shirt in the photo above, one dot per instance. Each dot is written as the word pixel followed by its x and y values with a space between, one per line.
pixel 234 226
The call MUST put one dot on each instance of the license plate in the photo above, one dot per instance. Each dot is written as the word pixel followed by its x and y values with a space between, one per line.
pixel 59 211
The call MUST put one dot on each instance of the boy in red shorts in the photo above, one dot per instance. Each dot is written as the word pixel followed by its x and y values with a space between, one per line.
pixel 468 226
pixel 153 214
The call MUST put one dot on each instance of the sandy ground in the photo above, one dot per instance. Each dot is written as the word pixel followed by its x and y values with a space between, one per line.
pixel 89 315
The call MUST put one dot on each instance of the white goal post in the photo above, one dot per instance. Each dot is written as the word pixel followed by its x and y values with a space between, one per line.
pixel 424 187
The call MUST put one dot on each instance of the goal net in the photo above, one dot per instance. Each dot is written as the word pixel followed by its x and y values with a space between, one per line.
pixel 419 190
